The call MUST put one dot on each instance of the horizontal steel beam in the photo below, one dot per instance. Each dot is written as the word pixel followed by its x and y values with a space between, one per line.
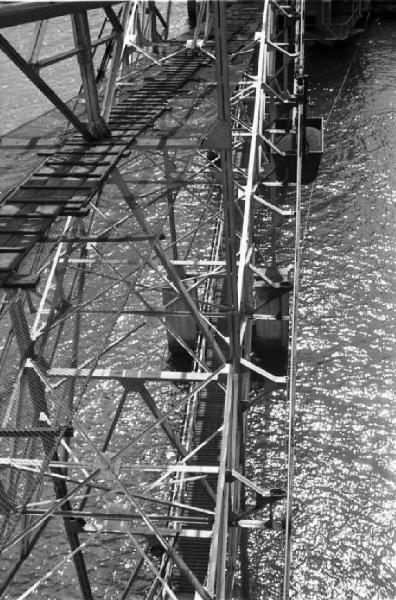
pixel 164 531
pixel 118 513
pixel 26 12
pixel 33 431
pixel 36 463
pixel 123 374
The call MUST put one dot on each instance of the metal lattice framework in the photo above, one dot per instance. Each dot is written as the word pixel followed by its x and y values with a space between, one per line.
pixel 134 262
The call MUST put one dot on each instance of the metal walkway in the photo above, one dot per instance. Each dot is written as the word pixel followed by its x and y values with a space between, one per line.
pixel 72 175
pixel 146 293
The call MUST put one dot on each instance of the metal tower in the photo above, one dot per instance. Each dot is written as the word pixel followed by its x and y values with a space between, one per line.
pixel 147 267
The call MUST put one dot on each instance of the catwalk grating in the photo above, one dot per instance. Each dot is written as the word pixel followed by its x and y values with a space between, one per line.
pixel 62 186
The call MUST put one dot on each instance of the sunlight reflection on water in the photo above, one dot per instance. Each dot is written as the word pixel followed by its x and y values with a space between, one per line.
pixel 344 483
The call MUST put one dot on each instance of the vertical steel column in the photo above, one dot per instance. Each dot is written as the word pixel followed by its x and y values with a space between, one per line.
pixel 299 91
pixel 274 112
pixel 171 196
pixel 82 37
pixel 118 49
pixel 151 9
pixel 37 393
pixel 222 544
pixel 224 117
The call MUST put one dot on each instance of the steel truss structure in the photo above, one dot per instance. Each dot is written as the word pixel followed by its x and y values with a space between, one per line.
pixel 131 263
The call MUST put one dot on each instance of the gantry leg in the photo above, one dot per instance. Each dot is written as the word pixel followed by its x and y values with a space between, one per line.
pixel 40 410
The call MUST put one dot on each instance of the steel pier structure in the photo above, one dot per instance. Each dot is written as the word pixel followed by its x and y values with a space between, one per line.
pixel 149 269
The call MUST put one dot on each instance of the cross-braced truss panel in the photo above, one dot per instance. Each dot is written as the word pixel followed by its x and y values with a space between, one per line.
pixel 147 271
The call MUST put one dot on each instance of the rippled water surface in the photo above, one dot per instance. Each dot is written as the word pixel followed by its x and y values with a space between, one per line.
pixel 345 422
pixel 345 483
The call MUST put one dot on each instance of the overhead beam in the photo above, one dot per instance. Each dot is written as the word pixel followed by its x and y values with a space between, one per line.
pixel 26 12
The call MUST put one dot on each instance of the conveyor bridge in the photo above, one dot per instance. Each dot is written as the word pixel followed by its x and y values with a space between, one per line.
pixel 149 303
